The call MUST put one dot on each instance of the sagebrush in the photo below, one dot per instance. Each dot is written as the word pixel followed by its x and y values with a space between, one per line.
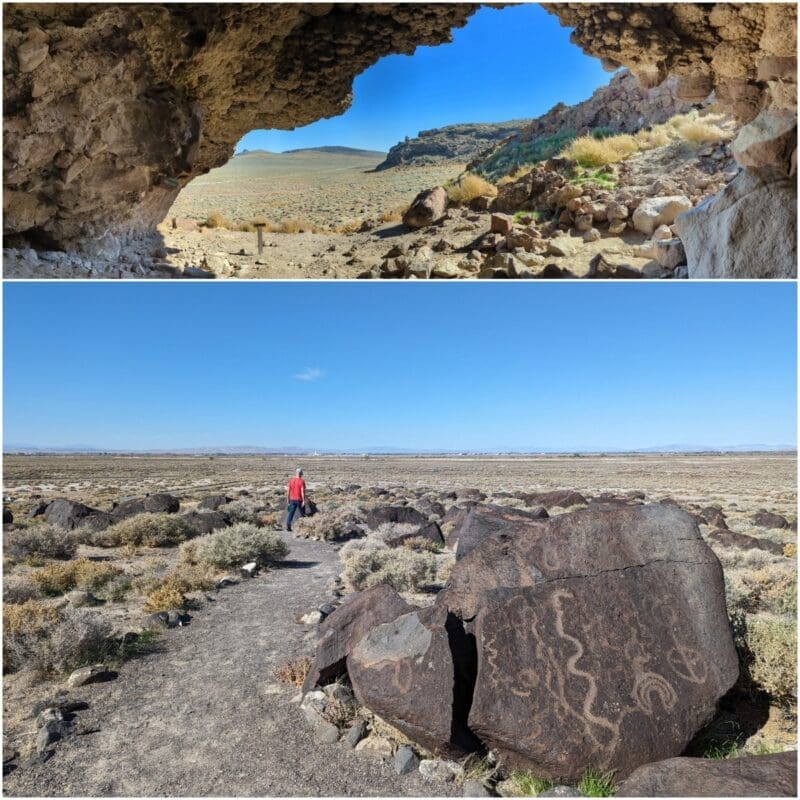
pixel 234 546
pixel 148 530
pixel 370 563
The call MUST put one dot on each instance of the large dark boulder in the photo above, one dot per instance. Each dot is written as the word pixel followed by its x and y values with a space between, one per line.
pixel 214 501
pixel 559 498
pixel 340 631
pixel 8 516
pixel 602 638
pixel 749 776
pixel 427 207
pixel 766 519
pixel 207 521
pixel 482 521
pixel 160 503
pixel 375 517
pixel 403 670
pixel 69 515
pixel 745 542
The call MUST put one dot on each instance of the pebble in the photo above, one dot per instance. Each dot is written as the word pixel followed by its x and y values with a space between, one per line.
pixel 358 730
pixel 405 760
pixel 475 789
pixel 86 675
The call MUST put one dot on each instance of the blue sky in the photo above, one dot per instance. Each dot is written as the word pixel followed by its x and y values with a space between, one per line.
pixel 511 63
pixel 468 366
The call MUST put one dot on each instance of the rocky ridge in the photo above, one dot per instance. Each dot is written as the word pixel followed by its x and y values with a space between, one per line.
pixel 460 143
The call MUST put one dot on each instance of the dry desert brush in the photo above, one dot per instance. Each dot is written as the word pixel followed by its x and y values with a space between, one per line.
pixel 51 640
pixel 39 541
pixel 234 546
pixel 82 573
pixel 148 530
pixel 368 563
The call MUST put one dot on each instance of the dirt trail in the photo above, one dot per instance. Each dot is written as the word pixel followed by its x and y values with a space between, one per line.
pixel 205 716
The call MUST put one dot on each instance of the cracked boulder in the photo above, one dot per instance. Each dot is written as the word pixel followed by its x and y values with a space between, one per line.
pixel 602 639
pixel 404 671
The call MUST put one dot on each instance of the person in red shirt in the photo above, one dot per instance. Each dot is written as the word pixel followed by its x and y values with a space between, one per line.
pixel 295 497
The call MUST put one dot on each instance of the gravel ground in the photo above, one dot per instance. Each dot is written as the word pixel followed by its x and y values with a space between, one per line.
pixel 205 716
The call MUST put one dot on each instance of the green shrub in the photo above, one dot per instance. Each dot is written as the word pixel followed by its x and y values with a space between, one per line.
pixel 596 784
pixel 51 640
pixel 149 530
pixel 526 784
pixel 41 540
pixel 768 651
pixel 242 510
pixel 234 546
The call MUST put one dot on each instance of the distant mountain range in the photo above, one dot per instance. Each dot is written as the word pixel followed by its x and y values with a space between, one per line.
pixel 335 150
pixel 389 450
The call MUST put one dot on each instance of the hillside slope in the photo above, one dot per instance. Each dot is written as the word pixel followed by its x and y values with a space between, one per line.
pixel 452 143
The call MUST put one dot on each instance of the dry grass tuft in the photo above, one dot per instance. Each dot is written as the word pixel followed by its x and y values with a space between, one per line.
pixel 769 648
pixel 82 573
pixel 297 226
pixel 698 132
pixel 394 214
pixel 468 187
pixel 217 220
pixel 293 672
pixel 164 598
pixel 591 152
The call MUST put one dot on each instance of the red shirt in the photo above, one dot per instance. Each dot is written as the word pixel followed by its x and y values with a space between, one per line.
pixel 296 488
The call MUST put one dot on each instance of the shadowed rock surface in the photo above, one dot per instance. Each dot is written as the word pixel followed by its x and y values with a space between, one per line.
pixel 748 776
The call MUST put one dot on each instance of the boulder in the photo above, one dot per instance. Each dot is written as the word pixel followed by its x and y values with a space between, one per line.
pixel 84 675
pixel 766 519
pixel 69 515
pixel 501 223
pixel 207 521
pixel 160 503
pixel 340 631
pixel 563 498
pixel 403 671
pixel 655 211
pixel 8 516
pixel 745 542
pixel 748 776
pixel 605 630
pixel 482 521
pixel 38 509
pixel 563 246
pixel 770 139
pixel 213 502
pixel 428 207
pixel 748 230
pixel 374 517
pixel 670 253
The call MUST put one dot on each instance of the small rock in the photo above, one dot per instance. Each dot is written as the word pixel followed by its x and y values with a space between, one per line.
pixel 670 253
pixel 248 570
pixel 222 583
pixel 311 618
pixel 592 235
pixel 501 223
pixel 358 730
pixel 326 732
pixel 435 769
pixel 86 675
pixel 475 789
pixel 375 745
pixel 326 609
pixel 51 732
pixel 338 691
pixel 560 791
pixel 405 760
pixel 617 227
pixel 31 55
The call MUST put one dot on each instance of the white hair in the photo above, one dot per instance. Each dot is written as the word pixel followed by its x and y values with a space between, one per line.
pixel 298 471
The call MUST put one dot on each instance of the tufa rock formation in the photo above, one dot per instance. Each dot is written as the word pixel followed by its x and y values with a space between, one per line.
pixel 109 110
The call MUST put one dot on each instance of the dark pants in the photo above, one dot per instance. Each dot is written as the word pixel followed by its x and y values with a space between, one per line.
pixel 294 507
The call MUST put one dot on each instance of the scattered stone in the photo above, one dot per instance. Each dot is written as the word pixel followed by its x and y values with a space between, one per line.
pixel 655 211
pixel 592 235
pixel 248 570
pixel 563 246
pixel 435 769
pixel 405 760
pixel 51 732
pixel 225 582
pixel 475 789
pixel 501 223
pixel 326 609
pixel 31 55
pixel 311 618
pixel 376 746
pixel 358 730
pixel 560 791
pixel 84 675
pixel 427 207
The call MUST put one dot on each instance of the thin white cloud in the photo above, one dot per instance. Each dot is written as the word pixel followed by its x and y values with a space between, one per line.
pixel 309 374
